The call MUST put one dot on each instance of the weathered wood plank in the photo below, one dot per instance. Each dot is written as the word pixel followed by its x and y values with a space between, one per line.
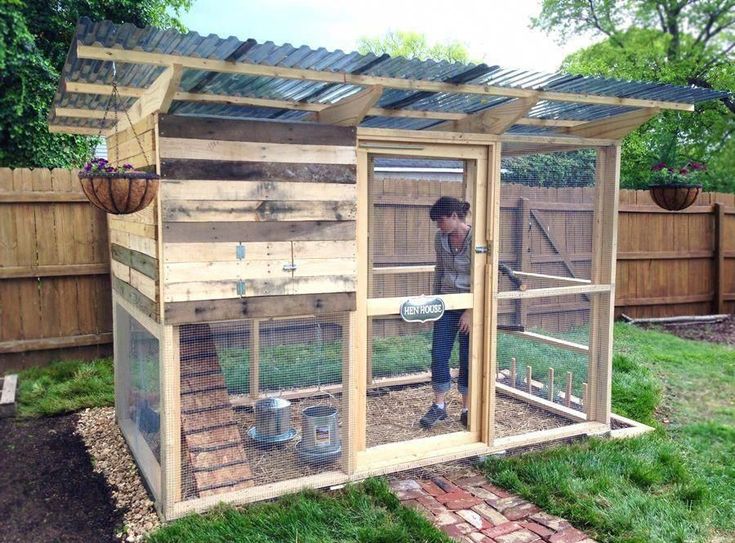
pixel 283 231
pixel 251 211
pixel 173 190
pixel 257 171
pixel 248 151
pixel 135 297
pixel 210 290
pixel 254 307
pixel 175 126
pixel 141 262
pixel 184 272
pixel 23 345
pixel 280 250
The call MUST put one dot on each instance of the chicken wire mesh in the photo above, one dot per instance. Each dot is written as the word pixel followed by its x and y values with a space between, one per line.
pixel 403 263
pixel 546 242
pixel 139 392
pixel 260 401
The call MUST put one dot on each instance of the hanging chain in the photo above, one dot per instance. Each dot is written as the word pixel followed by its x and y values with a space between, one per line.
pixel 114 100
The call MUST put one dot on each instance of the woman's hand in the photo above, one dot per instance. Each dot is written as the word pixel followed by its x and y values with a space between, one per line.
pixel 465 322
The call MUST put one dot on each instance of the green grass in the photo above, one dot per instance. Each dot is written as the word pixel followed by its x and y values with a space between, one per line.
pixel 675 485
pixel 367 512
pixel 63 387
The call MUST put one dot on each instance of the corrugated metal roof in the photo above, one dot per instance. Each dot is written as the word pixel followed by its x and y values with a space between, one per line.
pixel 154 40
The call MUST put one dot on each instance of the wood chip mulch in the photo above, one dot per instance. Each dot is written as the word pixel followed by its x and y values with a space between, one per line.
pixel 111 458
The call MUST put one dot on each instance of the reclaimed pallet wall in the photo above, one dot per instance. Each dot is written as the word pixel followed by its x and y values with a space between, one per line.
pixel 54 270
pixel 134 247
pixel 253 210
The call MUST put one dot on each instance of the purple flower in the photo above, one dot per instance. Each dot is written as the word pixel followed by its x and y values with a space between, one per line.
pixel 127 166
pixel 87 167
pixel 109 169
pixel 658 167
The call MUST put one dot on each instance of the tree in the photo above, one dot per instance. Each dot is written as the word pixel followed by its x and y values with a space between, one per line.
pixel 683 42
pixel 34 41
pixel 413 45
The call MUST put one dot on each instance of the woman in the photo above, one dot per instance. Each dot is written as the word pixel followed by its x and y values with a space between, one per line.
pixel 453 243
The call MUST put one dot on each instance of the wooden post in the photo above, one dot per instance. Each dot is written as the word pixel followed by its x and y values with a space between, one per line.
pixel 529 379
pixel 568 397
pixel 513 372
pixel 255 360
pixel 524 256
pixel 550 386
pixel 170 432
pixel 719 301
pixel 604 248
pixel 584 395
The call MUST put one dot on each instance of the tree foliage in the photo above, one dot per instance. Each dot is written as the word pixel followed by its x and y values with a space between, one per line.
pixel 682 42
pixel 34 41
pixel 413 45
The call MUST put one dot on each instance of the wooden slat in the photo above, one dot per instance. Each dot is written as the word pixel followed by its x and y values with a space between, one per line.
pixel 255 251
pixel 201 149
pixel 280 231
pixel 258 210
pixel 41 196
pixel 257 171
pixel 254 307
pixel 183 272
pixel 145 304
pixel 209 128
pixel 23 345
pixel 210 290
pixel 141 262
pixel 197 190
pixel 62 270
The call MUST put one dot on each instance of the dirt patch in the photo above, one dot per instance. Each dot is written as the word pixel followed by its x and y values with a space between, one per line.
pixel 720 332
pixel 48 490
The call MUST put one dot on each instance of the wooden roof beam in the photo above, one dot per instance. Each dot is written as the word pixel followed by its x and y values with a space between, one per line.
pixel 351 110
pixel 96 52
pixel 156 98
pixel 495 120
pixel 616 127
pixel 94 88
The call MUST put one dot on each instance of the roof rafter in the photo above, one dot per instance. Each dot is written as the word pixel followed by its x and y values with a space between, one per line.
pixel 94 88
pixel 213 65
pixel 494 120
pixel 351 110
pixel 616 127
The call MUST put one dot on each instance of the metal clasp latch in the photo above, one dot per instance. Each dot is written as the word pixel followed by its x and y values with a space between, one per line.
pixel 240 287
pixel 481 249
pixel 240 251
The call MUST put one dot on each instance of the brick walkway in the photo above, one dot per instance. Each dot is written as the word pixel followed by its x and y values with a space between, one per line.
pixel 471 510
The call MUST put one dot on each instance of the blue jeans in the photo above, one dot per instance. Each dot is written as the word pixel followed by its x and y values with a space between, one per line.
pixel 445 332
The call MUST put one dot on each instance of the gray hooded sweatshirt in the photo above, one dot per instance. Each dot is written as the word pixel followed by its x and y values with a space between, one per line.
pixel 452 275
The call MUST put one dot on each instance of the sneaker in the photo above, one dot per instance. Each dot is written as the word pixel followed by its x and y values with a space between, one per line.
pixel 463 418
pixel 433 415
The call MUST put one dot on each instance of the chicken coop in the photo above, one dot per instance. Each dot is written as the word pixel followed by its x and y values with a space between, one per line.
pixel 269 304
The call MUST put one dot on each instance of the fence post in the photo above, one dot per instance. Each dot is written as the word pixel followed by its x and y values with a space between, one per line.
pixel 524 256
pixel 719 300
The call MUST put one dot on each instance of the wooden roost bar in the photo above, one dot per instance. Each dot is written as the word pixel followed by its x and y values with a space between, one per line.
pixel 276 256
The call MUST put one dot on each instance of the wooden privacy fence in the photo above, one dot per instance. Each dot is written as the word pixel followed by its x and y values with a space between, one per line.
pixel 54 261
pixel 54 270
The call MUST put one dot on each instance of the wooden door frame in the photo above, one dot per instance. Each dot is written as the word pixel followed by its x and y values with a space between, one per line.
pixel 485 157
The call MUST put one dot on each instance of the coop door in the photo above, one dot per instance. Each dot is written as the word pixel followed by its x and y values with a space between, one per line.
pixel 425 309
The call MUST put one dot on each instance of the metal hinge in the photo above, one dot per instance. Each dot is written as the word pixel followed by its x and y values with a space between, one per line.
pixel 289 267
pixel 481 249
pixel 240 252
pixel 240 287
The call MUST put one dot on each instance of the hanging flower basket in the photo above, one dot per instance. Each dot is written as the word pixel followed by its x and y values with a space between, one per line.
pixel 676 188
pixel 118 192
pixel 674 196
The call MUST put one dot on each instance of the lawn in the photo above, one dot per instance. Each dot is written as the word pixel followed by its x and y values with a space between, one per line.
pixel 675 485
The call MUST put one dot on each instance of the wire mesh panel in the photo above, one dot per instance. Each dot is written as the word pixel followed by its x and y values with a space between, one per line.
pixel 546 246
pixel 402 385
pixel 139 393
pixel 260 402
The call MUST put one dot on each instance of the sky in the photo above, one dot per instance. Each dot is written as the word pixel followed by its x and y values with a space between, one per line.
pixel 494 31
